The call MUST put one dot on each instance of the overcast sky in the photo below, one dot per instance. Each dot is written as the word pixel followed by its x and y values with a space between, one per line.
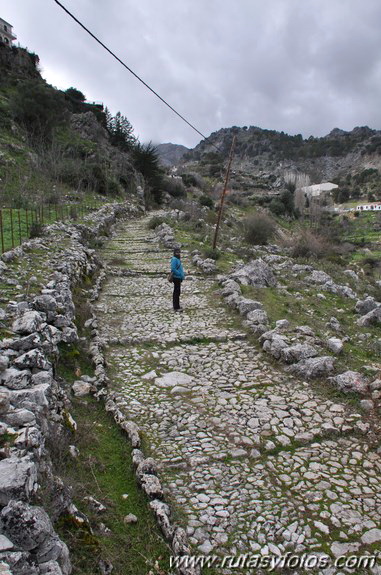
pixel 301 66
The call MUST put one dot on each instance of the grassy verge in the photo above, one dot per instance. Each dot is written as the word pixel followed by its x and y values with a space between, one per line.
pixel 103 470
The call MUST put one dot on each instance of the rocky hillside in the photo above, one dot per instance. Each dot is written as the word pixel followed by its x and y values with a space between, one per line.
pixel 171 154
pixel 262 158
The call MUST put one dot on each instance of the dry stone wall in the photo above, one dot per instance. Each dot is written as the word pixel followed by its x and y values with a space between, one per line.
pixel 40 276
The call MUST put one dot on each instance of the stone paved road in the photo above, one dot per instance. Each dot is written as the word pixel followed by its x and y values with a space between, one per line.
pixel 253 461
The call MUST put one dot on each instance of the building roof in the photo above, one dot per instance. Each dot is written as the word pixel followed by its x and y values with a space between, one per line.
pixel 5 22
pixel 316 189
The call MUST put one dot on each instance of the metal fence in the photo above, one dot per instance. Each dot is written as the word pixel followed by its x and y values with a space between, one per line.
pixel 16 225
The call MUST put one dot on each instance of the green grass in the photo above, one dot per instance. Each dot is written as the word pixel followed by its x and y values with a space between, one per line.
pixel 104 471
pixel 365 228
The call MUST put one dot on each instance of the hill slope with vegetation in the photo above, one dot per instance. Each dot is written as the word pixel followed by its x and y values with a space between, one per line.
pixel 56 147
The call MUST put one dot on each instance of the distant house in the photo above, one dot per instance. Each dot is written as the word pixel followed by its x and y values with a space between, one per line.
pixel 317 190
pixel 6 34
pixel 369 207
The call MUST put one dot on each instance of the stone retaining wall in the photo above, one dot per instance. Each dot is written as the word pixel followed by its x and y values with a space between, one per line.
pixel 33 407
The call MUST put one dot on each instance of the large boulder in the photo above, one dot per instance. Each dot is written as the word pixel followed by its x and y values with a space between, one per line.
pixel 18 479
pixel 246 305
pixel 13 378
pixel 25 343
pixel 350 382
pixel 275 344
pixel 32 359
pixel 371 318
pixel 162 513
pixel 339 289
pixel 151 486
pixel 366 305
pixel 26 526
pixel 174 379
pixel 35 398
pixel 318 277
pixel 30 528
pixel 19 417
pixel 29 322
pixel 257 316
pixel 335 345
pixel 45 303
pixel 298 352
pixel 256 273
pixel 313 367
pixel 18 563
pixel 230 286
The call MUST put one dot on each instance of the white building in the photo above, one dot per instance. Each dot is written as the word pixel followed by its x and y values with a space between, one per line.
pixel 6 34
pixel 317 189
pixel 376 206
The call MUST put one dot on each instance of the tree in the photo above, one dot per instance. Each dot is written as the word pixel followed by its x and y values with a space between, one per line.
pixel 38 108
pixel 287 198
pixel 121 132
pixel 75 94
pixel 146 161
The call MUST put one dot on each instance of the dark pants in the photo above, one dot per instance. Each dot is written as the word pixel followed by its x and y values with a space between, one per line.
pixel 176 293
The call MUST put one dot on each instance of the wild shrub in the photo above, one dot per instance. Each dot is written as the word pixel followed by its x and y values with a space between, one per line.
pixel 113 188
pixel 211 253
pixel 211 218
pixel 371 265
pixel 193 180
pixel 284 204
pixel 308 244
pixel 36 229
pixel 155 222
pixel 206 201
pixel 277 207
pixel 174 187
pixel 259 228
pixel 237 199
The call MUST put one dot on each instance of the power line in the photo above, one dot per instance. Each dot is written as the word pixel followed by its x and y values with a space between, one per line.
pixel 132 72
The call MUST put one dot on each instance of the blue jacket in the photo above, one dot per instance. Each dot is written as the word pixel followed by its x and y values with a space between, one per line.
pixel 177 268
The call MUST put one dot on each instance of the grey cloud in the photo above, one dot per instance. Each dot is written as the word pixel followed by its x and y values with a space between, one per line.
pixel 298 66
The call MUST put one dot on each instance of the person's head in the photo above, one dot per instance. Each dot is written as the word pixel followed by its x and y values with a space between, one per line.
pixel 177 253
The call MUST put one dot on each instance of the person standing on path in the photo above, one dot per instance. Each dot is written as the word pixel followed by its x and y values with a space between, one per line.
pixel 178 276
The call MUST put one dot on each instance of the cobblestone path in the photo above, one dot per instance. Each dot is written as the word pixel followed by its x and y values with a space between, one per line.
pixel 253 461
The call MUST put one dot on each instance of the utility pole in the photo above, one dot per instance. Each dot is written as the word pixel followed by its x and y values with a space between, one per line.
pixel 222 200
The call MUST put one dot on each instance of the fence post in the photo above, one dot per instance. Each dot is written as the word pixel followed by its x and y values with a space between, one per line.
pixel 42 213
pixel 19 219
pixel 27 223
pixel 12 236
pixel 1 231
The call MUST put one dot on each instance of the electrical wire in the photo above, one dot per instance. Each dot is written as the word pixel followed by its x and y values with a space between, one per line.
pixel 132 72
